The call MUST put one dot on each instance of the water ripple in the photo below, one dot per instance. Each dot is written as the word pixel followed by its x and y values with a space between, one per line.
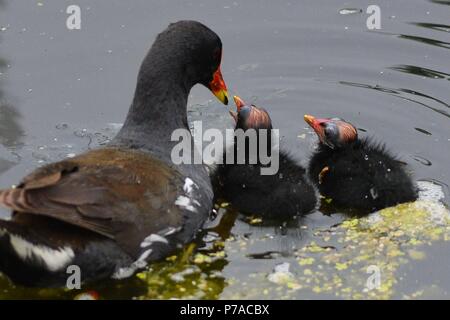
pixel 419 71
pixel 406 94
pixel 444 2
pixel 422 160
pixel 423 131
pixel 429 41
pixel 434 26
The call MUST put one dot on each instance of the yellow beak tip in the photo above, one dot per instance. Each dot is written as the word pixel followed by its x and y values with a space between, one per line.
pixel 222 95
pixel 308 118
pixel 225 98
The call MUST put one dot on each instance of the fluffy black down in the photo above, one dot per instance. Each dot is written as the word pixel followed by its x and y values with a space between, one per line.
pixel 362 176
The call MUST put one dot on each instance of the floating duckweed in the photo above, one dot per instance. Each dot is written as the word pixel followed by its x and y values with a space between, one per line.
pixel 307 272
pixel 415 242
pixel 314 248
pixel 255 221
pixel 348 254
pixel 317 289
pixel 416 254
pixel 219 254
pixel 341 266
pixel 336 263
pixel 224 204
pixel 306 261
pixel 171 258
pixel 141 275
pixel 219 244
pixel 202 258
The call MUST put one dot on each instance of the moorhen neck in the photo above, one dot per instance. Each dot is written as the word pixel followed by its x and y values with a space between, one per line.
pixel 112 210
pixel 281 196
pixel 357 175
pixel 185 54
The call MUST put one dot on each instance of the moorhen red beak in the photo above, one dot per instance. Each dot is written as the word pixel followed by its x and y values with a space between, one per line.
pixel 218 87
pixel 112 210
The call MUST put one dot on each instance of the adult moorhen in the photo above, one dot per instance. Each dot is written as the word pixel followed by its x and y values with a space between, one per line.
pixel 112 210
pixel 358 175
pixel 280 196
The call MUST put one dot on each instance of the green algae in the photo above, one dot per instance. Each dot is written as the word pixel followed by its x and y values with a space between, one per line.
pixel 337 262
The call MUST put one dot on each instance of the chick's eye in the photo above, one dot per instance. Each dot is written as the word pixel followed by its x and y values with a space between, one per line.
pixel 329 131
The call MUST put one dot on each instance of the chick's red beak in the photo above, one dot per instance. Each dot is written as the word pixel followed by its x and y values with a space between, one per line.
pixel 218 87
pixel 315 124
pixel 311 121
pixel 239 103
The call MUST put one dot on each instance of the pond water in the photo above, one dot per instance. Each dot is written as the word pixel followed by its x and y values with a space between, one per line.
pixel 63 92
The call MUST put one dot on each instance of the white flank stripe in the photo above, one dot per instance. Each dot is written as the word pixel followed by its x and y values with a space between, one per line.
pixel 153 238
pixel 168 231
pixel 54 259
pixel 144 256
pixel 188 184
pixel 185 202
pixel 140 263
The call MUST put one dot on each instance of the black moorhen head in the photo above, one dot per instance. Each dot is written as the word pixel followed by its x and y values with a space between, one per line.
pixel 358 175
pixel 112 210
pixel 281 196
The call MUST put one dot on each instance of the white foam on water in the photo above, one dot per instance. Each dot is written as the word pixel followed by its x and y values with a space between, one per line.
pixel 115 125
pixel 374 218
pixel 430 191
pixel 281 273
pixel 430 199
pixel 438 213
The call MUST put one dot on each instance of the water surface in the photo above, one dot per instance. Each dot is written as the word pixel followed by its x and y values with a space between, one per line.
pixel 63 92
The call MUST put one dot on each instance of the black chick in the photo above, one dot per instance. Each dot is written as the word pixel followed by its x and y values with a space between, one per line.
pixel 356 174
pixel 282 195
